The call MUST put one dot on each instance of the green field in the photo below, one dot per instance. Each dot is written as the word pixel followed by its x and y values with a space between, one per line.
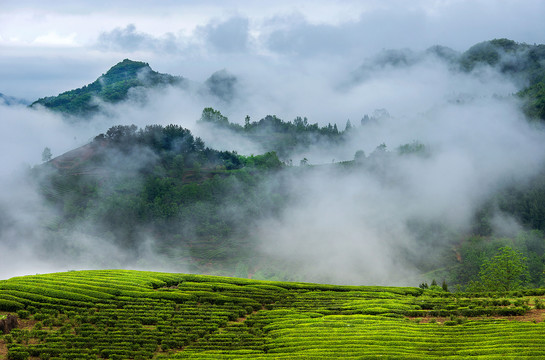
pixel 121 314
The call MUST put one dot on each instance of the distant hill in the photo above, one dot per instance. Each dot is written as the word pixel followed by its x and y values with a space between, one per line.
pixel 111 87
pixel 10 100
pixel 176 186
pixel 523 62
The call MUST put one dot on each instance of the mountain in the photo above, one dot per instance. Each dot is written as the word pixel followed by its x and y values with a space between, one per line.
pixel 202 207
pixel 524 63
pixel 10 100
pixel 131 182
pixel 223 85
pixel 112 87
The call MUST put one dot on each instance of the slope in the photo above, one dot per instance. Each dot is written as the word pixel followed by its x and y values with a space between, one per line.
pixel 121 314
pixel 111 87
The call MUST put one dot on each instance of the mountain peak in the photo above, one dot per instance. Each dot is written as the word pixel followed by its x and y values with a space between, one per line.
pixel 126 70
pixel 112 87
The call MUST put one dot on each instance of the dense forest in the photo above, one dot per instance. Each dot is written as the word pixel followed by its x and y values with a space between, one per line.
pixel 202 205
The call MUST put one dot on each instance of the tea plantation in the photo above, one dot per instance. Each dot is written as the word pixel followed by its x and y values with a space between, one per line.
pixel 121 314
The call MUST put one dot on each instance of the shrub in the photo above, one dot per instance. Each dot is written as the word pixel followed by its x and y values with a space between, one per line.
pixel 18 355
pixel 10 305
pixel 23 314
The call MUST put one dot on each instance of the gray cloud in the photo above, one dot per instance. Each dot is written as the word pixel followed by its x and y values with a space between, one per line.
pixel 228 36
pixel 457 24
pixel 371 32
pixel 339 226
pixel 128 39
pixel 256 34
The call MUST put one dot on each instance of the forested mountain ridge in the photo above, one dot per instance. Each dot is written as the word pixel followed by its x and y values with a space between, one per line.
pixel 10 100
pixel 275 134
pixel 111 87
pixel 129 182
pixel 523 62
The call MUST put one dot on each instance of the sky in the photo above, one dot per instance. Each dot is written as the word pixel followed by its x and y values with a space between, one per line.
pixel 54 46
pixel 290 59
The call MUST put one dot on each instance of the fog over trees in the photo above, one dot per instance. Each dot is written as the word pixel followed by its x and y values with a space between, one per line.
pixel 294 147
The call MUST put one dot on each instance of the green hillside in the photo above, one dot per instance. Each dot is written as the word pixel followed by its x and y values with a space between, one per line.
pixel 522 61
pixel 130 182
pixel 122 314
pixel 111 87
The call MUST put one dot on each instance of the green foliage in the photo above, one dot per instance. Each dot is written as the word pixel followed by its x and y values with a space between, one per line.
pixel 277 135
pixel 490 53
pixel 413 148
pixel 150 315
pixel 46 154
pixel 111 87
pixel 535 100
pixel 180 193
pixel 520 60
pixel 444 286
pixel 266 161
pixel 212 116
pixel 506 271
pixel 23 314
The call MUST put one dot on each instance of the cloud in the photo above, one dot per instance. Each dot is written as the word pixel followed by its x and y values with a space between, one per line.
pixel 364 226
pixel 129 40
pixel 194 39
pixel 227 36
pixel 338 226
pixel 457 24
pixel 54 39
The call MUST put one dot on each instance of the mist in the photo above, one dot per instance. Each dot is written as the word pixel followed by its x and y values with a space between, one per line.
pixel 340 226
pixel 327 63
pixel 355 227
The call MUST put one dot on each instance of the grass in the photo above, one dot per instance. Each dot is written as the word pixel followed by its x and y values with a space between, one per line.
pixel 119 314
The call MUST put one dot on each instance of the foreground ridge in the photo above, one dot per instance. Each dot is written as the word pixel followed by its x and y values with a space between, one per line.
pixel 123 314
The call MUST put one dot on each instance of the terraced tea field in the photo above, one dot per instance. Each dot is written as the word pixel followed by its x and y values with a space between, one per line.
pixel 119 314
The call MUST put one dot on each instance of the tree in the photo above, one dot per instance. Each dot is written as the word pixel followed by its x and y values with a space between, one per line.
pixel 46 154
pixel 359 156
pixel 506 271
pixel 444 285
pixel 348 126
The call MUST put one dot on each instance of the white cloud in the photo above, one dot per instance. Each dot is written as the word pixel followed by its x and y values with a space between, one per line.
pixel 54 39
